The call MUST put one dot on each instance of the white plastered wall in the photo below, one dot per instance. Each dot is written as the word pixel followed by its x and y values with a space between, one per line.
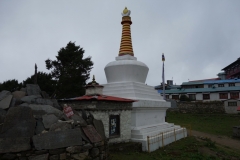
pixel 125 123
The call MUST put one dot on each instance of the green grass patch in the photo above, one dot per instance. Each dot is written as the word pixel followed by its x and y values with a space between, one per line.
pixel 190 147
pixel 218 124
pixel 185 149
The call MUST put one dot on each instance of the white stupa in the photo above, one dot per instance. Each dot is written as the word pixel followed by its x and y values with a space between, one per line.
pixel 126 78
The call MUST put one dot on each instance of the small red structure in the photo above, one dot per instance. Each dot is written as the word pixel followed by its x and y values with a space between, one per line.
pixel 68 111
pixel 238 108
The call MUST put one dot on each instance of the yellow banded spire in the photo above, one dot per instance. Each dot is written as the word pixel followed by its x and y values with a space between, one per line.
pixel 126 40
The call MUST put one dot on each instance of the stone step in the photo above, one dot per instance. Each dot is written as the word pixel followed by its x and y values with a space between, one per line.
pixel 133 93
pixel 153 133
pixel 127 84
pixel 151 128
pixel 130 90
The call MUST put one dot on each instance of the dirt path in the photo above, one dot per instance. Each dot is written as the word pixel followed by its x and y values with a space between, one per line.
pixel 222 140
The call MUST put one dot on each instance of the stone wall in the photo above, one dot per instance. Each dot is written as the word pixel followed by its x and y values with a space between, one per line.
pixel 199 107
pixel 101 110
pixel 33 126
pixel 125 123
pixel 231 109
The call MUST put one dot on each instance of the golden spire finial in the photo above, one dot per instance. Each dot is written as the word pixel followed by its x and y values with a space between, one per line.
pixel 93 80
pixel 125 11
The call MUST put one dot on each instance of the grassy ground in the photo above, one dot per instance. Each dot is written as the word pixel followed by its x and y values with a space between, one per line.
pixel 185 149
pixel 209 123
pixel 190 148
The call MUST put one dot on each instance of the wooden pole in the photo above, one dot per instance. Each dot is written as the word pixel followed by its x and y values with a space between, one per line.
pixel 148 144
pixel 175 135
pixel 162 140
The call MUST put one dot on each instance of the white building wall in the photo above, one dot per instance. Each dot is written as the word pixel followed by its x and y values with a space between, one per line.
pixel 125 123
pixel 214 96
pixel 231 109
pixel 205 85
pixel 237 84
pixel 199 96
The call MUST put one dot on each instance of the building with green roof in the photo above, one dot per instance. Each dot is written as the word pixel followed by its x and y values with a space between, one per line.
pixel 224 88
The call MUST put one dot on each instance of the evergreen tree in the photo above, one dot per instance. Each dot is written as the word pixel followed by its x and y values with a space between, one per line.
pixel 71 70
pixel 10 85
pixel 183 97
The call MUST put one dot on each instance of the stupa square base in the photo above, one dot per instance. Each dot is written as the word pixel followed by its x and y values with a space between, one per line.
pixel 149 126
pixel 147 115
pixel 143 116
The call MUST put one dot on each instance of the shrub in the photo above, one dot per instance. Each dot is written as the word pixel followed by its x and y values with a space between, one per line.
pixel 183 97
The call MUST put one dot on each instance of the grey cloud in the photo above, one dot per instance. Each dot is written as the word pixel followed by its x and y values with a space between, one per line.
pixel 198 38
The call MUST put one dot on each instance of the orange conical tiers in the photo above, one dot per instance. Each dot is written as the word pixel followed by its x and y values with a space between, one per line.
pixel 126 41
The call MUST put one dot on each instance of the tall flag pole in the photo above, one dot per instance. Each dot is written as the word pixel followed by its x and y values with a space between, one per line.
pixel 163 78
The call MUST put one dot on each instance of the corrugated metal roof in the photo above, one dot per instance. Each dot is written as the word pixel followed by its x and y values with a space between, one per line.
pixel 231 64
pixel 212 82
pixel 222 81
pixel 201 90
pixel 168 86
pixel 192 83
pixel 99 98
pixel 205 79
pixel 221 73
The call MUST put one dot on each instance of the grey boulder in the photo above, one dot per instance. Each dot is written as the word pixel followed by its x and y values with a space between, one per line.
pixel 4 94
pixel 19 122
pixel 48 120
pixel 5 103
pixel 18 94
pixel 41 110
pixel 30 99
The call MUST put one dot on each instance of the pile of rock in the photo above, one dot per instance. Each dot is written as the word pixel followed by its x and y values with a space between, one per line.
pixel 34 127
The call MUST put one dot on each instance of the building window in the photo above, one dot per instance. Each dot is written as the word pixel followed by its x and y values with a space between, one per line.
pixel 231 84
pixel 192 97
pixel 206 96
pixel 210 86
pixel 167 96
pixel 175 97
pixel 223 95
pixel 220 85
pixel 232 103
pixel 114 126
pixel 234 95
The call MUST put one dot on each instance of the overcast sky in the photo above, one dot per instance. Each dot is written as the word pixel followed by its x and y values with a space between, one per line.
pixel 198 37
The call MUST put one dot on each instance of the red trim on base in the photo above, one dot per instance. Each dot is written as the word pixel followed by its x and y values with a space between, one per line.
pixel 123 54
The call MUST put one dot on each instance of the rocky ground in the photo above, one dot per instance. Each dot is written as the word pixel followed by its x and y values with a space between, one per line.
pixel 33 126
